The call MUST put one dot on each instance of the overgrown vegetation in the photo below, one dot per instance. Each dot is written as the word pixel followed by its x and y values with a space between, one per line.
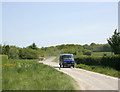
pixel 29 75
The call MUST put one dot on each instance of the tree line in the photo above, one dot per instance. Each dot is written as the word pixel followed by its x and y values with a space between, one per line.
pixel 33 52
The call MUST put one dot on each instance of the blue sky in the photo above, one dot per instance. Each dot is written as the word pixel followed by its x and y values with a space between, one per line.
pixel 51 24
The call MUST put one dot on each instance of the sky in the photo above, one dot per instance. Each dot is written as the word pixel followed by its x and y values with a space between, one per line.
pixel 51 24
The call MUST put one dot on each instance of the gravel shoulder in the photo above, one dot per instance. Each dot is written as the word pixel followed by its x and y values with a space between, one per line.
pixel 86 80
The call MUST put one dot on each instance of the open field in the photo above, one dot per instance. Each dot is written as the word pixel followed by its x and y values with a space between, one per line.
pixel 31 75
pixel 102 53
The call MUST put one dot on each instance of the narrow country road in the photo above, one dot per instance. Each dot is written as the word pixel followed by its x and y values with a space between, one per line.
pixel 86 80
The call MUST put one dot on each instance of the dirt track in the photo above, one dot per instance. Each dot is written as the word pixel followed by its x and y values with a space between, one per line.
pixel 87 80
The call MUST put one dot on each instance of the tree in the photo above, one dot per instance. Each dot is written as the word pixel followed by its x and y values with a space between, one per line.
pixel 106 48
pixel 92 44
pixel 33 46
pixel 114 42
pixel 27 53
pixel 13 52
pixel 5 49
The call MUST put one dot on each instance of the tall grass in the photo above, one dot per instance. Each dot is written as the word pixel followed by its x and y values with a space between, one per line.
pixel 100 69
pixel 31 75
pixel 0 72
pixel 4 59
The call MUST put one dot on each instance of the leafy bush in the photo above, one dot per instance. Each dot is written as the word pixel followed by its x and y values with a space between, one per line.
pixel 13 53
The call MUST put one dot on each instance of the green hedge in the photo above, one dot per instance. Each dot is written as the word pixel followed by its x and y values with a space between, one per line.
pixel 113 61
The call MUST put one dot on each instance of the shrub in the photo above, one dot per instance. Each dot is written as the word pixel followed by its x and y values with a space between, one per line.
pixel 13 53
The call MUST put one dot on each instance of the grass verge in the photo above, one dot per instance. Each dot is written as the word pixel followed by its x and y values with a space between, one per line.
pixel 100 69
pixel 31 75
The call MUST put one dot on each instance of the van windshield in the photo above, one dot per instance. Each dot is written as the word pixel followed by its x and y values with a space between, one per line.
pixel 67 57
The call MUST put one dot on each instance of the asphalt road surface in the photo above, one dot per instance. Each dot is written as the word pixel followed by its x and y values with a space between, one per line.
pixel 86 80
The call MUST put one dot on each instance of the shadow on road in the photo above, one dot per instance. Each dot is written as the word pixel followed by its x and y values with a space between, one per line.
pixel 56 67
pixel 59 67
